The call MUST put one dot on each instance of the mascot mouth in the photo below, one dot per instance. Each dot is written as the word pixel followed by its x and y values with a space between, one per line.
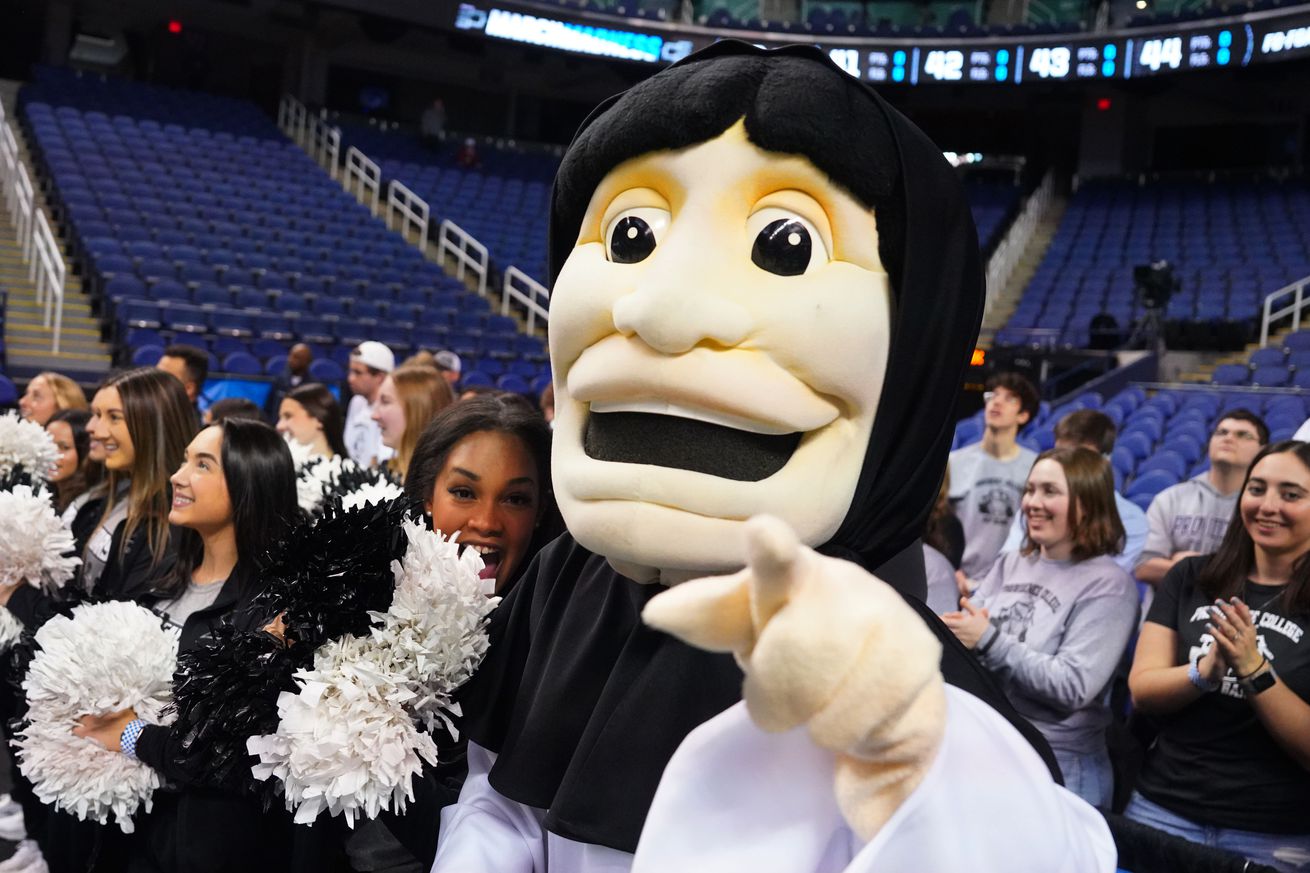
pixel 687 444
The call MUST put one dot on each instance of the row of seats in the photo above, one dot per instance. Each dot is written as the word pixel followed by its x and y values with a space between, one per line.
pixel 1162 439
pixel 1231 244
pixel 193 217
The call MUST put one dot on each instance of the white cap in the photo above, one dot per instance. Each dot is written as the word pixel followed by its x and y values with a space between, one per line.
pixel 375 355
pixel 448 360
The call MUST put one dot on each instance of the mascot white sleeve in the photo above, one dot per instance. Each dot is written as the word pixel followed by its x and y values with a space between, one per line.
pixel 766 288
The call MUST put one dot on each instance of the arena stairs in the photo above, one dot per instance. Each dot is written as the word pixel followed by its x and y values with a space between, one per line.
pixel 82 355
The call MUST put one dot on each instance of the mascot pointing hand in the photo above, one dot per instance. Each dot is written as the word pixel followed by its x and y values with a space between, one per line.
pixel 766 285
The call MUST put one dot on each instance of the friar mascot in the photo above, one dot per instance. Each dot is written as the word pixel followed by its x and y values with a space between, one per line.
pixel 766 287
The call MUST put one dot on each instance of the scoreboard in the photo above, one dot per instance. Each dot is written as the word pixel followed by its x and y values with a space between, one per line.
pixel 1234 41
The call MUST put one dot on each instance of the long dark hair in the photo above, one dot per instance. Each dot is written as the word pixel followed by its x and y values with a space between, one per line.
pixel 88 472
pixel 1225 574
pixel 319 403
pixel 502 413
pixel 261 482
pixel 161 422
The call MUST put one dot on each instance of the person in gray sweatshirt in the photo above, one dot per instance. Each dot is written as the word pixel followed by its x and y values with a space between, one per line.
pixel 1052 620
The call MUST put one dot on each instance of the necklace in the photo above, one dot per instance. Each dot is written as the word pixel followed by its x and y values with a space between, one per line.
pixel 1268 600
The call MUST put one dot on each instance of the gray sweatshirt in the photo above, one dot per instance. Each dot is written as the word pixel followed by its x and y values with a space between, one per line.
pixel 1188 517
pixel 1058 629
pixel 986 493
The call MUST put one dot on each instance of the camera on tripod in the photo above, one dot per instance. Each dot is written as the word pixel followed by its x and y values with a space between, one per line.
pixel 1155 283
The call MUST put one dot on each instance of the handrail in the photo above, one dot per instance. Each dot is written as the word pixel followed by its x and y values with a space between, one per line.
pixel 48 272
pixel 533 292
pixel 413 211
pixel 1002 263
pixel 454 240
pixel 23 207
pixel 1301 299
pixel 363 175
pixel 327 146
pixel 8 167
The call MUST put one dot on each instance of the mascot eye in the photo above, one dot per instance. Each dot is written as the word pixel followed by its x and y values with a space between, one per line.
pixel 633 234
pixel 786 244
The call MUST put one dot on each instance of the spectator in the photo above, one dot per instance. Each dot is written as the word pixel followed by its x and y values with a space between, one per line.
pixel 1223 668
pixel 48 393
pixel 467 156
pixel 432 123
pixel 230 407
pixel 450 366
pixel 311 416
pixel 191 367
pixel 1052 620
pixel 295 373
pixel 943 547
pixel 1096 431
pixel 370 364
pixel 74 473
pixel 1190 518
pixel 407 401
pixel 987 478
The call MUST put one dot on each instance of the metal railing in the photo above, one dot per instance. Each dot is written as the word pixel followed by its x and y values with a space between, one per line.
pixel 413 211
pixel 469 254
pixel 48 272
pixel 1001 265
pixel 363 179
pixel 327 146
pixel 1300 293
pixel 521 288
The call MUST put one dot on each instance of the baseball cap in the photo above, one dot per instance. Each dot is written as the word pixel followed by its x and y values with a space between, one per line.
pixel 375 355
pixel 448 360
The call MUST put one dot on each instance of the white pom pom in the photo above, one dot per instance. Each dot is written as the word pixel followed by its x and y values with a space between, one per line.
pixel 347 741
pixel 33 541
pixel 344 743
pixel 25 444
pixel 106 658
pixel 370 494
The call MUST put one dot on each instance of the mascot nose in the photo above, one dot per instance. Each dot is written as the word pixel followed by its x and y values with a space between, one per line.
pixel 676 320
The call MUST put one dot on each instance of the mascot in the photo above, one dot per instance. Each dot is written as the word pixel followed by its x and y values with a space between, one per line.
pixel 766 287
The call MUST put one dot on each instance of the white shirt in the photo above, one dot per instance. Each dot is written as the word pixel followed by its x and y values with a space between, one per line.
pixel 735 798
pixel 363 436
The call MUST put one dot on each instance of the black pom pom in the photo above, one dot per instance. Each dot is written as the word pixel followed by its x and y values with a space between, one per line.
pixel 224 692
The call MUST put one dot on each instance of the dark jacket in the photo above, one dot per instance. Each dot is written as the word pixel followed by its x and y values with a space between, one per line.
pixel 197 828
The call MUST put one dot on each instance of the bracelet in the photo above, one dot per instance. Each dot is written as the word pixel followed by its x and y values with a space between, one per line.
pixel 127 739
pixel 1194 676
pixel 990 643
pixel 1263 660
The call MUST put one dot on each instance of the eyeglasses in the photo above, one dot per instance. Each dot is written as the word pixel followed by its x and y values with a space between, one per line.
pixel 1244 435
pixel 989 396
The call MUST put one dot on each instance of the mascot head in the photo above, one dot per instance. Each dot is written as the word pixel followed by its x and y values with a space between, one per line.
pixel 766 285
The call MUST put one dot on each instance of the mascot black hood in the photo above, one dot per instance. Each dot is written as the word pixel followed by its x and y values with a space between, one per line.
pixel 796 101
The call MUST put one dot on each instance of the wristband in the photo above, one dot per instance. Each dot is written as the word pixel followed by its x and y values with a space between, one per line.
pixel 1263 660
pixel 990 643
pixel 127 739
pixel 1194 676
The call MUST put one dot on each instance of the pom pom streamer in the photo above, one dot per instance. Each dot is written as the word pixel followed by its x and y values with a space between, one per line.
pixel 320 481
pixel 349 740
pixel 35 547
pixel 106 658
pixel 25 447
pixel 33 541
